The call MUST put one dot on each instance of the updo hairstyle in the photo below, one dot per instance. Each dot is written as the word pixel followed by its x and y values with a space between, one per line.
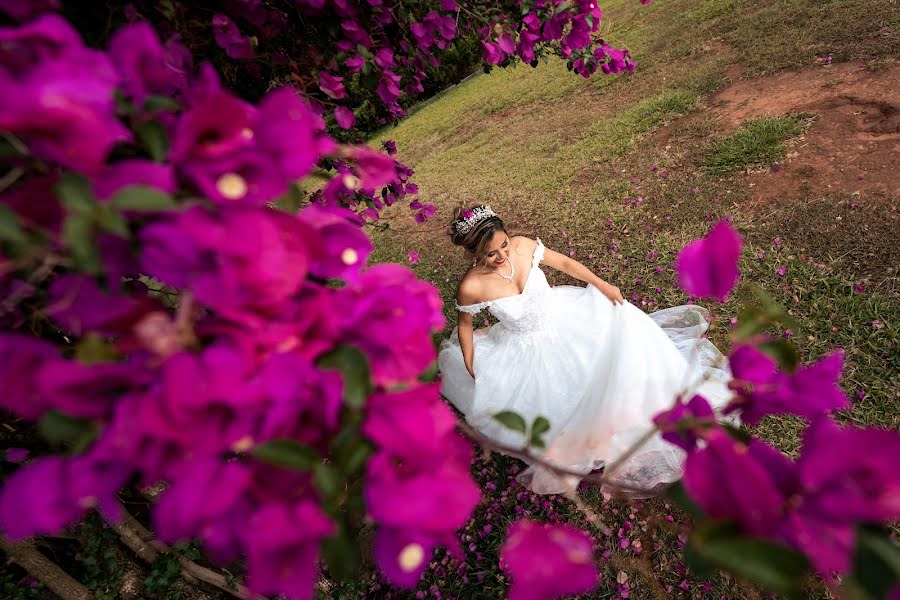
pixel 479 235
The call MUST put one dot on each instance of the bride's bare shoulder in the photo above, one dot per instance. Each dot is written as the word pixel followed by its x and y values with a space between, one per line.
pixel 471 288
pixel 523 245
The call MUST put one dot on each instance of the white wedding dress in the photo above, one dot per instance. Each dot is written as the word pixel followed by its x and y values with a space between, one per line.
pixel 598 372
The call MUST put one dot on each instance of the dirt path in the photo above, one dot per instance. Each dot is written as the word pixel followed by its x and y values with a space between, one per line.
pixel 852 147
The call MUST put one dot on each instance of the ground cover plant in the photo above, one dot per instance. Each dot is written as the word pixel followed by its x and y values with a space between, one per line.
pixel 196 350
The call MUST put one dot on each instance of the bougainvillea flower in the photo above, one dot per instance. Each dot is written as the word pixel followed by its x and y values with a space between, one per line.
pixel 213 128
pixel 344 117
pixel 228 37
pixel 64 116
pixel 762 390
pixel 409 422
pixel 20 359
pixel 347 247
pixel 708 267
pixel 846 475
pixel 439 493
pixel 130 172
pixel 290 134
pixel 398 312
pixel 43 497
pixel 376 169
pixel 683 434
pixel 303 402
pixel 332 85
pixel 402 555
pixel 146 66
pixel 206 502
pixel 718 476
pixel 548 561
pixel 283 549
pixel 88 391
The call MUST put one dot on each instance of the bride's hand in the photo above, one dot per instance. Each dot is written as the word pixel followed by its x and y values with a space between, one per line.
pixel 613 293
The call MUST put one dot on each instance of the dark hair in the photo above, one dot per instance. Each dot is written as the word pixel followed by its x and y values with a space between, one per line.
pixel 477 238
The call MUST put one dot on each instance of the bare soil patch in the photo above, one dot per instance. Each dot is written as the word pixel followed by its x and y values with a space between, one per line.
pixel 852 147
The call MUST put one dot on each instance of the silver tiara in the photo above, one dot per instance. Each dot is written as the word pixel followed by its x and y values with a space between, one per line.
pixel 474 218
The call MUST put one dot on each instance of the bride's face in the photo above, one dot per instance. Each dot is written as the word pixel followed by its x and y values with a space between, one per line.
pixel 496 253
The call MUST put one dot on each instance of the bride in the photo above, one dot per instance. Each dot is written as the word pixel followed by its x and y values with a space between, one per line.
pixel 594 365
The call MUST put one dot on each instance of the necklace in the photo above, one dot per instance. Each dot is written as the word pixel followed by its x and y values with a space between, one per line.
pixel 512 272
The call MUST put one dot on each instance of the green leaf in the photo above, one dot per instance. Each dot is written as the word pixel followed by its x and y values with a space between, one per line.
pixel 10 227
pixel 152 136
pixel 143 198
pixel 775 567
pixel 354 368
pixel 93 349
pixel 74 191
pixel 157 103
pixel 430 374
pixel 59 428
pixel 78 232
pixel 876 561
pixel 341 554
pixel 737 433
pixel 537 442
pixel 540 425
pixel 772 309
pixel 110 220
pixel 512 420
pixel 287 453
pixel 326 480
pixel 353 456
pixel 782 351
pixel 679 496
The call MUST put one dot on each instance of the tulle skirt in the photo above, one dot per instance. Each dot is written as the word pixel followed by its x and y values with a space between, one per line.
pixel 599 373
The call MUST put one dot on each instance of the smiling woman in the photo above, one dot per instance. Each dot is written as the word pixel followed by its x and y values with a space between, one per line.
pixel 595 366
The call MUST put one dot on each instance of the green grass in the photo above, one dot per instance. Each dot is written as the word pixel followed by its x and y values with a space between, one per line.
pixel 565 159
pixel 759 142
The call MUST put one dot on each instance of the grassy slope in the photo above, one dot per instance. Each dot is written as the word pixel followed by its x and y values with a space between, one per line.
pixel 566 158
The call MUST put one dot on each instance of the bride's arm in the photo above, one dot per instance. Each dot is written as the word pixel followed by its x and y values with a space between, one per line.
pixel 572 267
pixel 465 341
pixel 467 294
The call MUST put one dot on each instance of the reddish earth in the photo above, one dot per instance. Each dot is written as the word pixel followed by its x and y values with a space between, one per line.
pixel 852 146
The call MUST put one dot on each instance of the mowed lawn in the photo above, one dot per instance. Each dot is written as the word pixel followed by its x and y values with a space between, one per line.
pixel 620 172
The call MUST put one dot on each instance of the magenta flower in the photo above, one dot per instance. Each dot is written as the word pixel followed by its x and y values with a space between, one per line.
pixel 89 391
pixel 376 169
pixel 135 171
pixel 332 86
pixel 45 496
pixel 283 549
pixel 303 402
pixel 347 247
pixel 413 257
pixel 685 434
pixel 58 94
pixel 547 561
pixel 240 258
pixel 811 391
pixel 718 476
pixel 344 117
pixel 228 37
pixel 491 53
pixel 146 66
pixel 709 267
pixel 21 357
pixel 206 501
pixel 846 475
pixel 389 315
pixel 288 133
pixel 402 555
pixel 16 455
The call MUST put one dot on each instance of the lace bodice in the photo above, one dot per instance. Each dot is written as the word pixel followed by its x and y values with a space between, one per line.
pixel 524 312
